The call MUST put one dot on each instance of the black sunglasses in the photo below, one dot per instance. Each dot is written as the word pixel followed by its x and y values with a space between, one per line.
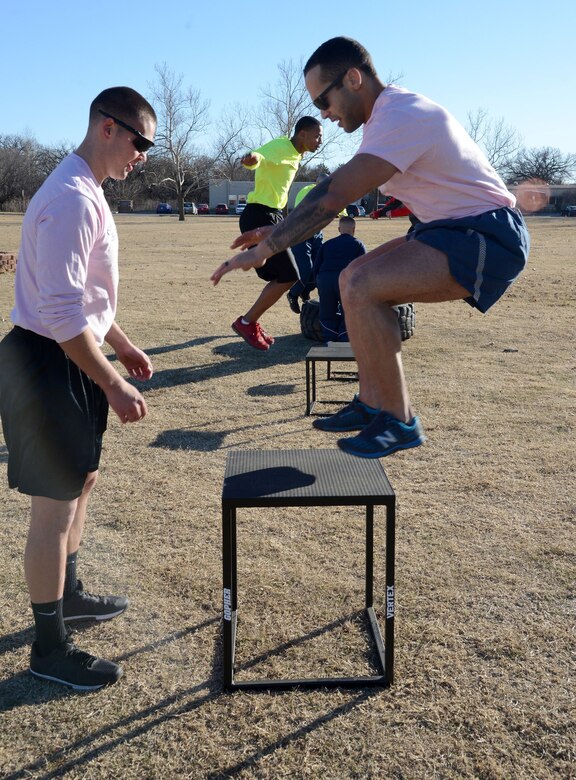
pixel 320 101
pixel 140 143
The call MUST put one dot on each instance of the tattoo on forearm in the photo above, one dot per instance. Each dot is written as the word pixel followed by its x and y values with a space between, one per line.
pixel 308 218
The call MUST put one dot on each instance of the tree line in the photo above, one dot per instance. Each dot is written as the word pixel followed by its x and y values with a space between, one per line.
pixel 181 164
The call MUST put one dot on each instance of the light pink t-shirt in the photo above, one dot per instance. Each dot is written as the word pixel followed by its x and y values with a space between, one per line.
pixel 443 174
pixel 67 270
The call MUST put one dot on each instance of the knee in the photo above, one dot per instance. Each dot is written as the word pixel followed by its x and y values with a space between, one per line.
pixel 353 286
pixel 89 482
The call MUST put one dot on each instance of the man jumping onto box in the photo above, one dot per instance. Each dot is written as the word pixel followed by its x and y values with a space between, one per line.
pixel 471 242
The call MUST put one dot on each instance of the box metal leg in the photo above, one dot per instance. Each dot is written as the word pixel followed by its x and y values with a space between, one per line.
pixel 384 649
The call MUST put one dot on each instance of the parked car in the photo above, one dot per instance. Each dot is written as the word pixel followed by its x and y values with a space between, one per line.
pixel 163 208
pixel 190 208
pixel 569 211
pixel 240 208
pixel 203 208
pixel 221 208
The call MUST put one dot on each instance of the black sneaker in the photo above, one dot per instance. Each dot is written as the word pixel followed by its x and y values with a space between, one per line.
pixel 293 303
pixel 84 606
pixel 70 666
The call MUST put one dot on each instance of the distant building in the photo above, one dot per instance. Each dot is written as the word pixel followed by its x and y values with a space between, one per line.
pixel 234 192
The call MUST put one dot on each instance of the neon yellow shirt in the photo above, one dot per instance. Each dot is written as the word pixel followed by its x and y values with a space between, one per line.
pixel 301 194
pixel 278 161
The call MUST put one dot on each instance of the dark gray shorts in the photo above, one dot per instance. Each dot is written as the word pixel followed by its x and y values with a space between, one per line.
pixel 278 268
pixel 53 417
pixel 486 252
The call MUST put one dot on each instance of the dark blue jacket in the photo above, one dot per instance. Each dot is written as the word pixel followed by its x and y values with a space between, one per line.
pixel 337 253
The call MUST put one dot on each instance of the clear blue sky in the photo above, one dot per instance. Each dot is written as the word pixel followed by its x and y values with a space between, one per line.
pixel 510 57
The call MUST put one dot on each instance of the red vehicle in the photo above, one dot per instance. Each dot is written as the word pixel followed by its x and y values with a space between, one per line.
pixel 221 208
pixel 391 208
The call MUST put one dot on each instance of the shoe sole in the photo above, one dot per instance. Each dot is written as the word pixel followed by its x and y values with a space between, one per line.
pixel 254 346
pixel 341 429
pixel 75 686
pixel 108 616
pixel 380 454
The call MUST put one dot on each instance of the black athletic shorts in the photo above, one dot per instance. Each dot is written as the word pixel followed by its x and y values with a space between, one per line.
pixel 53 417
pixel 278 268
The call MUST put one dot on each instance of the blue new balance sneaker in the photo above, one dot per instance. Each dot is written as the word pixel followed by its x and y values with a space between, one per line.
pixel 383 436
pixel 353 417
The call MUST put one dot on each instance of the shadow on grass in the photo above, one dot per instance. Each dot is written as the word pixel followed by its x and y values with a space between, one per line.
pixel 173 347
pixel 180 439
pixel 282 743
pixel 197 440
pixel 241 358
pixel 83 751
pixel 270 390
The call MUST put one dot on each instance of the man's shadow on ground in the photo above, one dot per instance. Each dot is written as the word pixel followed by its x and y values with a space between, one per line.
pixel 287 350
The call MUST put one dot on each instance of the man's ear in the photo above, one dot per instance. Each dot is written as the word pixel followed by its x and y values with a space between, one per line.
pixel 354 78
pixel 107 126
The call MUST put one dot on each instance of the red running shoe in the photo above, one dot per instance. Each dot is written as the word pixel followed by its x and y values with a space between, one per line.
pixel 267 338
pixel 251 333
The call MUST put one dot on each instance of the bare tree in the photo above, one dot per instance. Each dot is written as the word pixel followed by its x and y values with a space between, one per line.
pixel 282 105
pixel 232 140
pixel 182 115
pixel 48 157
pixel 499 141
pixel 19 174
pixel 545 164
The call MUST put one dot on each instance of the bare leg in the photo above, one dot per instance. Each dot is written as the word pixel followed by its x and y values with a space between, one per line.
pixel 55 531
pixel 394 273
pixel 271 293
pixel 75 534
pixel 46 548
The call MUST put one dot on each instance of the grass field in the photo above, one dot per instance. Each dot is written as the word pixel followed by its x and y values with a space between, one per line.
pixel 485 675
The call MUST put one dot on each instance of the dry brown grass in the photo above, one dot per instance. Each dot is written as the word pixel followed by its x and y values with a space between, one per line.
pixel 486 558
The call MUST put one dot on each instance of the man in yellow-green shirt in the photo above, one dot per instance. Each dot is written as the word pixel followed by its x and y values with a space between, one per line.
pixel 276 164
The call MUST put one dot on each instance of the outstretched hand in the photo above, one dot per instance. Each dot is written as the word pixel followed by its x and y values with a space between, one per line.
pixel 243 262
pixel 251 237
pixel 249 257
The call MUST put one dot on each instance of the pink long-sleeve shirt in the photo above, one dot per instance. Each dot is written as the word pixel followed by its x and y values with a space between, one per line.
pixel 67 271
pixel 442 173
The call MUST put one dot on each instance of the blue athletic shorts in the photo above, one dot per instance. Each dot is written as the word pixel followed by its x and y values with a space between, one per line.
pixel 486 253
pixel 53 417
pixel 278 268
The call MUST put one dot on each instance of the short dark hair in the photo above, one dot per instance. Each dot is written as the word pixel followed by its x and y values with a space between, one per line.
pixel 337 55
pixel 306 123
pixel 123 102
pixel 347 220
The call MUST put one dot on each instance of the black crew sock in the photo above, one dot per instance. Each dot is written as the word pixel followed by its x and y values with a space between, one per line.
pixel 70 582
pixel 50 628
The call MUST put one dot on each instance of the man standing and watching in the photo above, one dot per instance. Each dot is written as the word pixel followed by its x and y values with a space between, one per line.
pixel 55 383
